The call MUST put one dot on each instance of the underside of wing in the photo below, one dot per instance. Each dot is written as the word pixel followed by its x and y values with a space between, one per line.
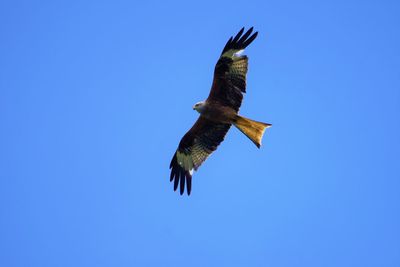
pixel 229 82
pixel 196 145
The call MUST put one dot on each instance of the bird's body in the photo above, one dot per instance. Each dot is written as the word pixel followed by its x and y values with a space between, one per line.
pixel 214 111
pixel 217 113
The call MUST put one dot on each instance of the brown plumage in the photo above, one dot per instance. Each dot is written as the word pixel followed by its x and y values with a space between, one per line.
pixel 217 113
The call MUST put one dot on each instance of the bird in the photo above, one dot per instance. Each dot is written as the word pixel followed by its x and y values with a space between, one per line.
pixel 217 113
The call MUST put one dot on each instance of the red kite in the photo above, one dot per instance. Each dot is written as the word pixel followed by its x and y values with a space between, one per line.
pixel 217 113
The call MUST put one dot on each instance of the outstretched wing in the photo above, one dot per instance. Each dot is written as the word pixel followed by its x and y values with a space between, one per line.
pixel 196 145
pixel 229 82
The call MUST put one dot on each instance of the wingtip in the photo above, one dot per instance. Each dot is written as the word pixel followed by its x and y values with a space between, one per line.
pixel 180 178
pixel 176 182
pixel 241 40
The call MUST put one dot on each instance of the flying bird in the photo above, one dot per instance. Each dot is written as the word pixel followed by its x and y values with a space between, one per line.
pixel 217 113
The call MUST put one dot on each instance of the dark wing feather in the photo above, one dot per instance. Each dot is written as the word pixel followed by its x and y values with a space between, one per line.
pixel 229 82
pixel 196 145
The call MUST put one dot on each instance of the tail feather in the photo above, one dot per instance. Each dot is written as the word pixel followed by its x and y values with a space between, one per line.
pixel 254 130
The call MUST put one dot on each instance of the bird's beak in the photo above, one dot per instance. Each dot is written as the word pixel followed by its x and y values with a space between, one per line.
pixel 193 107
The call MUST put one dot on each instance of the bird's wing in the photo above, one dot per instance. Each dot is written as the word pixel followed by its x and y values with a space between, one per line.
pixel 229 82
pixel 195 146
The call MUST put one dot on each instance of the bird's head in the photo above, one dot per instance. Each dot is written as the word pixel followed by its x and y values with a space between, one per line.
pixel 199 106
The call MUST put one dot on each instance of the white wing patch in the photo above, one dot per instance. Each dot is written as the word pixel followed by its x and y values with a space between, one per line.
pixel 185 161
pixel 238 53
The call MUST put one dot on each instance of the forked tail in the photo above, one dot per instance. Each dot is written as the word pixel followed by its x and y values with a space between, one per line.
pixel 254 130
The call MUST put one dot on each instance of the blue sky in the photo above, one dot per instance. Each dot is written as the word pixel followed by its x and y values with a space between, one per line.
pixel 95 96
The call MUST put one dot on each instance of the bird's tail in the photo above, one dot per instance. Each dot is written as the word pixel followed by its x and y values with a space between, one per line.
pixel 254 130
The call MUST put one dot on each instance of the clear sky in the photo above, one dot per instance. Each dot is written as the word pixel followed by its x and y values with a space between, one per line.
pixel 96 95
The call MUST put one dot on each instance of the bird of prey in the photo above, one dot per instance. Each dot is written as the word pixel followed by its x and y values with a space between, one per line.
pixel 217 113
